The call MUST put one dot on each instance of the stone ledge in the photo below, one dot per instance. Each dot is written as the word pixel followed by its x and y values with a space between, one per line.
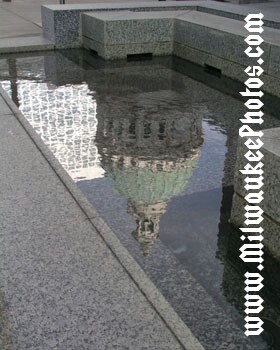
pixel 238 12
pixel 126 27
pixel 271 161
pixel 194 36
pixel 114 35
pixel 113 52
pixel 271 189
pixel 271 228
pixel 61 23
pixel 26 44
pixel 224 38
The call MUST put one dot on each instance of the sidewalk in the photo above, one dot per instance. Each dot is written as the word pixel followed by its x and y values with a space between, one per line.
pixel 20 20
pixel 20 23
pixel 23 17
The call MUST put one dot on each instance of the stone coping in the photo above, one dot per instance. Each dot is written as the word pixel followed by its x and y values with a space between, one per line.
pixel 131 15
pixel 25 44
pixel 220 9
pixel 63 26
pixel 271 140
pixel 234 11
pixel 124 5
pixel 270 226
pixel 228 25
pixel 199 37
pixel 271 161
pixel 61 23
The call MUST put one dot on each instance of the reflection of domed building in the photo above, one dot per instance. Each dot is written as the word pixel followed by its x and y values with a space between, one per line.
pixel 149 146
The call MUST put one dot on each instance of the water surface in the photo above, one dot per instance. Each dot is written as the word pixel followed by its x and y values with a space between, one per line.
pixel 152 145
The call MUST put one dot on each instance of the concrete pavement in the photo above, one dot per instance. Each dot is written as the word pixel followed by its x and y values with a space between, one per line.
pixel 20 20
pixel 20 24
pixel 26 12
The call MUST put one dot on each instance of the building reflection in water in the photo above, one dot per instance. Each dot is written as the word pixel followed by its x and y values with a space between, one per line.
pixel 148 142
pixel 149 145
pixel 65 119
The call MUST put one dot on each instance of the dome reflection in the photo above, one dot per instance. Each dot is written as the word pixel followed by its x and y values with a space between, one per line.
pixel 149 145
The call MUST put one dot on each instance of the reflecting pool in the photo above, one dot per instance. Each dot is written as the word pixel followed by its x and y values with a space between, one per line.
pixel 152 145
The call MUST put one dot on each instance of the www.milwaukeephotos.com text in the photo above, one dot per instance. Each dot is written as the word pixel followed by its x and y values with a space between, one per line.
pixel 252 249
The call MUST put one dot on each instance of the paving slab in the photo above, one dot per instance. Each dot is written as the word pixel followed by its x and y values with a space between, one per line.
pixel 25 44
pixel 25 29
pixel 4 108
pixel 55 286
pixel 270 11
pixel 271 161
pixel 35 199
pixel 30 10
pixel 12 25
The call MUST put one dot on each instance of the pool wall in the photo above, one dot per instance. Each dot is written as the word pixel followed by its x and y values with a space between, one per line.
pixel 200 32
pixel 214 40
pixel 271 202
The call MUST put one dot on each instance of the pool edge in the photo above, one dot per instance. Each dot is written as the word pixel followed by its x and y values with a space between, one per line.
pixel 166 312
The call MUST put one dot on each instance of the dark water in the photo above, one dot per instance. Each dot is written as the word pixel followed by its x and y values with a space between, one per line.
pixel 152 145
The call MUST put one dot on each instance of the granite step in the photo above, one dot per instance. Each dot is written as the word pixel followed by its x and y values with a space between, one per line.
pixel 202 38
pixel 25 44
pixel 222 38
pixel 271 18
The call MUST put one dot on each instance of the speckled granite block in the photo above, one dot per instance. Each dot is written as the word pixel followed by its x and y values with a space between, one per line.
pixel 274 61
pixel 67 29
pixel 215 35
pixel 229 69
pixel 271 189
pixel 219 42
pixel 113 52
pixel 271 227
pixel 95 46
pixel 115 30
pixel 271 85
pixel 271 161
pixel 93 28
pixel 116 34
pixel 47 16
pixel 140 29
pixel 62 27
pixel 61 23
pixel 126 27
pixel 238 12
